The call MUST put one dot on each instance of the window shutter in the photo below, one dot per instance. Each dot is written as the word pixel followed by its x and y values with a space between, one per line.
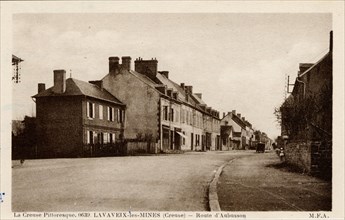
pixel 87 109
pixel 93 110
pixel 108 114
pixel 112 114
pixel 100 111
pixel 87 137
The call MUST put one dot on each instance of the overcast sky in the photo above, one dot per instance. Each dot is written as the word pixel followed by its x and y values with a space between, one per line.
pixel 237 61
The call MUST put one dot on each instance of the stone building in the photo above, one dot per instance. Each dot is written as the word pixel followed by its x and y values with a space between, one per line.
pixel 171 114
pixel 233 124
pixel 307 116
pixel 77 118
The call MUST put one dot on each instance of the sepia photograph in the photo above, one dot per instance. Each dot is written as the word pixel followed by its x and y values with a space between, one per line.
pixel 111 111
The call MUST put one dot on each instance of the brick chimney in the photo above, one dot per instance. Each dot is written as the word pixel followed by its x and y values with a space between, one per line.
pixel 239 115
pixel 114 65
pixel 199 95
pixel 126 62
pixel 146 67
pixel 59 81
pixel 41 87
pixel 182 86
pixel 243 119
pixel 165 73
pixel 233 112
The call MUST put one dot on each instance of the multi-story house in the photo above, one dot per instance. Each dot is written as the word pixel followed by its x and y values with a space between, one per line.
pixel 233 124
pixel 157 107
pixel 77 118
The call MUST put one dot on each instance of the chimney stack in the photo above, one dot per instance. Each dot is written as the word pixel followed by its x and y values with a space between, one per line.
pixel 114 65
pixel 182 86
pixel 146 67
pixel 239 115
pixel 59 81
pixel 165 73
pixel 126 62
pixel 223 114
pixel 234 112
pixel 41 87
pixel 243 119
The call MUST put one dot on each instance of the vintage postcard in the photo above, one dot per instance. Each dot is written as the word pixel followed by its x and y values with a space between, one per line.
pixel 172 110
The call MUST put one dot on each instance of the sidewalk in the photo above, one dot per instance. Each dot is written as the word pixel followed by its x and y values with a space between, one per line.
pixel 261 183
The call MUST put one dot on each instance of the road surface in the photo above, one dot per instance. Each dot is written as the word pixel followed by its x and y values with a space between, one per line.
pixel 162 183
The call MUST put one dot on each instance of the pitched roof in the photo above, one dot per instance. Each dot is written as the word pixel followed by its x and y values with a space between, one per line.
pixel 76 87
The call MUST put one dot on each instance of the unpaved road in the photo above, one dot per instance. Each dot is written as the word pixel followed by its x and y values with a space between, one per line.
pixel 259 182
pixel 161 183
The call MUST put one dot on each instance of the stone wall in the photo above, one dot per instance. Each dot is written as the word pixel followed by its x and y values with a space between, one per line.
pixel 312 157
pixel 299 155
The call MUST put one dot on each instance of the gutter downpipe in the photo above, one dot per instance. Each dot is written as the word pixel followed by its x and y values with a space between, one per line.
pixel 303 86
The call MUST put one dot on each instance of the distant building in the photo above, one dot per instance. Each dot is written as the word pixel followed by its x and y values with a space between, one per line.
pixel 233 125
pixel 77 118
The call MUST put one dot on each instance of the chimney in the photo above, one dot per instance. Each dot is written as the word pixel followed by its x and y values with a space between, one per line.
pixel 59 81
pixel 223 114
pixel 243 119
pixel 146 67
pixel 98 83
pixel 331 41
pixel 165 73
pixel 199 95
pixel 182 86
pixel 41 87
pixel 189 89
pixel 114 65
pixel 303 67
pixel 239 115
pixel 126 62
pixel 233 112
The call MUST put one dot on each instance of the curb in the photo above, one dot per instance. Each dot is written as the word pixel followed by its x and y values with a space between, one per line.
pixel 212 190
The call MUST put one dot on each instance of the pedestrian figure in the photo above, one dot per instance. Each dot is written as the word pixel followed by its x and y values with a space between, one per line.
pixel 281 154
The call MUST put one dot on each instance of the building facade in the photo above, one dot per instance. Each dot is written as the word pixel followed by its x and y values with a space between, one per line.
pixel 77 119
pixel 170 113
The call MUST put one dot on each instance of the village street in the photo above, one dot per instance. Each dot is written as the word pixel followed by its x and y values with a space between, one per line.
pixel 174 182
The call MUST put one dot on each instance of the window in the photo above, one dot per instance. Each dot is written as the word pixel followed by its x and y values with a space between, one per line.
pixel 90 109
pixel 171 114
pixel 165 113
pixel 110 114
pixel 184 139
pixel 100 111
pixel 89 137
pixel 112 138
pixel 120 115
pixel 105 138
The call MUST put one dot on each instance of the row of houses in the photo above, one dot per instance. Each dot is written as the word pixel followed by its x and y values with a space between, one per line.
pixel 77 118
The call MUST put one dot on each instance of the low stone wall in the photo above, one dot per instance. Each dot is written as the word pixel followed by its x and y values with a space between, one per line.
pixel 299 155
pixel 313 157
